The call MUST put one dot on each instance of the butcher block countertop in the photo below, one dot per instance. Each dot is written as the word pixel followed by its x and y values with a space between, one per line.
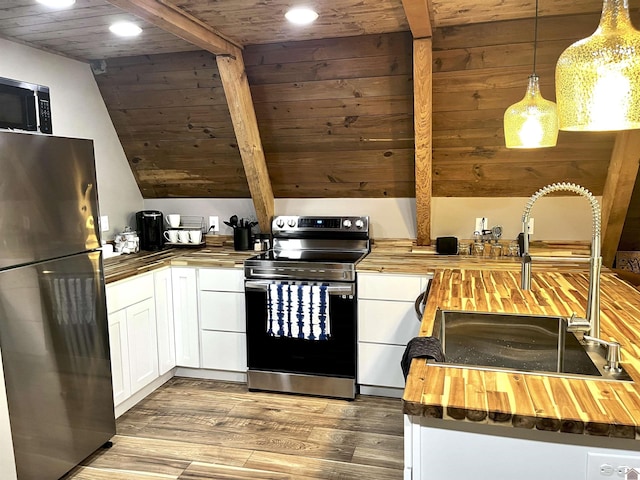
pixel 404 256
pixel 591 407
pixel 125 266
pixel 389 256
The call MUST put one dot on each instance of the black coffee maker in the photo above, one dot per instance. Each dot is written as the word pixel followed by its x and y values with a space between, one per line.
pixel 150 227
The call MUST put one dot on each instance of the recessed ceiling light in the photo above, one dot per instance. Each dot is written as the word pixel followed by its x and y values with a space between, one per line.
pixel 301 16
pixel 125 29
pixel 57 3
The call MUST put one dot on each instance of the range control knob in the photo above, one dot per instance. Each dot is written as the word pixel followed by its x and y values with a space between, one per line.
pixel 346 223
pixel 359 223
pixel 292 222
pixel 279 223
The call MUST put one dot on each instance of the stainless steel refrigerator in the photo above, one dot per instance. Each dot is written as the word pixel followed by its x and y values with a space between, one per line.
pixel 53 320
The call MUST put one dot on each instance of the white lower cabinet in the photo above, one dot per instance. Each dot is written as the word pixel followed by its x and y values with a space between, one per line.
pixel 185 311
pixel 224 350
pixel 454 450
pixel 386 322
pixel 379 365
pixel 164 320
pixel 222 319
pixel 132 335
pixel 119 356
pixel 142 343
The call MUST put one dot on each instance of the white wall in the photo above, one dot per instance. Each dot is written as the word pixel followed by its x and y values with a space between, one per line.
pixel 203 207
pixel 556 218
pixel 78 110
pixel 389 217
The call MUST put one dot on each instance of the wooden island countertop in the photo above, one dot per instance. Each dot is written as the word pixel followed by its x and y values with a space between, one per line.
pixel 582 406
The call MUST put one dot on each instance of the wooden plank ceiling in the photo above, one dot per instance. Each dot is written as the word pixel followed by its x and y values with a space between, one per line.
pixel 333 101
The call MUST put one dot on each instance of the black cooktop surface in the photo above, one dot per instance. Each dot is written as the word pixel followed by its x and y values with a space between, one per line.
pixel 309 256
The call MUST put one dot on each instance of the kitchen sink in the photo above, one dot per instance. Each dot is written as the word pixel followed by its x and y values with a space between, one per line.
pixel 523 343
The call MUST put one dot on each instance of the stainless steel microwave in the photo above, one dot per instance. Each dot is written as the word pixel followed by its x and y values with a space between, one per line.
pixel 24 106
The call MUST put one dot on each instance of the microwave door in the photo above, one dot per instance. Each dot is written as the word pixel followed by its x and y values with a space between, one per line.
pixel 17 108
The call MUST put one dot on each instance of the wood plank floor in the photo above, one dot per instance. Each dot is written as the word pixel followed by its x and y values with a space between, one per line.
pixel 191 429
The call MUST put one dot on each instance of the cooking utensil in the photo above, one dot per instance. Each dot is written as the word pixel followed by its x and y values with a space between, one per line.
pixel 235 222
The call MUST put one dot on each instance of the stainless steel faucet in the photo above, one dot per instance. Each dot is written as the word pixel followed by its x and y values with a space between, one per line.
pixel 591 324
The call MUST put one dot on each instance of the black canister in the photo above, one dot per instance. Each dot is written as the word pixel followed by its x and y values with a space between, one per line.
pixel 242 238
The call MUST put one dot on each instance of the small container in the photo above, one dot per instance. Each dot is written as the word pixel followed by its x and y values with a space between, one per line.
pixel 478 249
pixel 257 244
pixel 496 250
pixel 514 249
pixel 265 239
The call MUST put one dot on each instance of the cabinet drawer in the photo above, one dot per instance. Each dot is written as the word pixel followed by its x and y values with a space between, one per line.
pixel 222 279
pixel 128 292
pixel 224 351
pixel 381 321
pixel 379 365
pixel 390 287
pixel 222 311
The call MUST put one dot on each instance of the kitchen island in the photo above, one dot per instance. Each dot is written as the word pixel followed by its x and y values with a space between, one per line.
pixel 514 424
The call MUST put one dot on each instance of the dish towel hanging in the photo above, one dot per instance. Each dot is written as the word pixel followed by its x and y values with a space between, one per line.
pixel 298 311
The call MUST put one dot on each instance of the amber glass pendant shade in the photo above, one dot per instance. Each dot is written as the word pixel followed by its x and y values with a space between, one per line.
pixel 532 122
pixel 598 78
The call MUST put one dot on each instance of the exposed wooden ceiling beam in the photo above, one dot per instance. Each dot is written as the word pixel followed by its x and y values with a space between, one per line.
pixel 419 14
pixel 618 187
pixel 422 125
pixel 245 126
pixel 182 24
pixel 236 90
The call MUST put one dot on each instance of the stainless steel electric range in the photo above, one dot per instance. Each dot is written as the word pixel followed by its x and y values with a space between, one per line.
pixel 301 306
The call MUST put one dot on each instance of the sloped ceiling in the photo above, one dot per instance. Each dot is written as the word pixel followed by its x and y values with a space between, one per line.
pixel 336 116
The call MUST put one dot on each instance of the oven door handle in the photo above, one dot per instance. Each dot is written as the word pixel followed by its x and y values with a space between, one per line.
pixel 332 289
pixel 269 275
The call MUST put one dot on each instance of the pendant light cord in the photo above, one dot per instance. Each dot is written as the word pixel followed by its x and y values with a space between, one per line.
pixel 535 39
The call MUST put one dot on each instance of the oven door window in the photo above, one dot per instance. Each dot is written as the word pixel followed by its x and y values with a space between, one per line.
pixel 335 356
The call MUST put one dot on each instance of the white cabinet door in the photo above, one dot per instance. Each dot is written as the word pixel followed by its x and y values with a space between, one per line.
pixel 379 365
pixel 143 344
pixel 222 279
pixel 185 314
pixel 119 348
pixel 383 286
pixel 389 322
pixel 224 351
pixel 124 293
pixel 222 311
pixel 164 320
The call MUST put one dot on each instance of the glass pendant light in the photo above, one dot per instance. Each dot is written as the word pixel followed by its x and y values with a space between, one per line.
pixel 533 121
pixel 598 78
